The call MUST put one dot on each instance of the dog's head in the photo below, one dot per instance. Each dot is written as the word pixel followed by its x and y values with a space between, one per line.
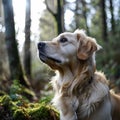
pixel 67 48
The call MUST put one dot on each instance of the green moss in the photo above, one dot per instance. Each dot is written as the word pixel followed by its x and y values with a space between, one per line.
pixel 5 111
pixel 46 99
pixel 21 114
pixel 5 100
pixel 2 93
pixel 17 106
pixel 21 110
pixel 42 112
pixel 20 92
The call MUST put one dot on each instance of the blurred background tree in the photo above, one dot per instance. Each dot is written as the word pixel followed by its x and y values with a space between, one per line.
pixel 27 48
pixel 55 8
pixel 11 44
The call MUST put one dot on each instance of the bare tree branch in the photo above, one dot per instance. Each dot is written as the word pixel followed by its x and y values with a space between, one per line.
pixel 52 12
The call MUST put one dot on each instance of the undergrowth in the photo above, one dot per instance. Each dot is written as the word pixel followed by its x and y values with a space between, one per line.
pixel 16 106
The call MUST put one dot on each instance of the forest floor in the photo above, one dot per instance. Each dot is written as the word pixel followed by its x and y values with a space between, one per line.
pixel 17 105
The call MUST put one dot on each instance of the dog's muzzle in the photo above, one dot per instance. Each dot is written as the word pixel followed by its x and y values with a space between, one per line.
pixel 43 55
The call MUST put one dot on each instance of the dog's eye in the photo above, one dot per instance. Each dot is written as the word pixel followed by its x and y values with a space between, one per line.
pixel 63 40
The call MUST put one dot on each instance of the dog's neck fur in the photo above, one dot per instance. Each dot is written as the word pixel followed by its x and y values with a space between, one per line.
pixel 75 74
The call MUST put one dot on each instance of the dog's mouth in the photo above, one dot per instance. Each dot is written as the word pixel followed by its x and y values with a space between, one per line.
pixel 44 58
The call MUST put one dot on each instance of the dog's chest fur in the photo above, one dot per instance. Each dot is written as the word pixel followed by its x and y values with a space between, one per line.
pixel 84 103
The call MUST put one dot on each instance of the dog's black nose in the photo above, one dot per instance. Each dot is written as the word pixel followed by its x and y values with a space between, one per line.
pixel 41 45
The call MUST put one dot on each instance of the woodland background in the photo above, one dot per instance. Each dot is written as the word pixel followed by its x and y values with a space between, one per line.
pixel 21 65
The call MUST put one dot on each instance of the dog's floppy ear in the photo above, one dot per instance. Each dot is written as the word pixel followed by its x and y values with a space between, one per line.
pixel 87 46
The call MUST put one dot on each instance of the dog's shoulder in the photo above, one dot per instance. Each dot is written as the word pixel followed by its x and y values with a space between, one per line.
pixel 100 85
pixel 98 92
pixel 100 77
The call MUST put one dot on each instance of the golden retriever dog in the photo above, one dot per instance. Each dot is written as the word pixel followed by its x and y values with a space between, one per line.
pixel 81 93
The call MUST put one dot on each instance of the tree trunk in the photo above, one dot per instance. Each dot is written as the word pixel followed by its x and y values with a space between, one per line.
pixel 77 15
pixel 85 15
pixel 62 16
pixel 112 17
pixel 11 44
pixel 27 51
pixel 58 16
pixel 104 23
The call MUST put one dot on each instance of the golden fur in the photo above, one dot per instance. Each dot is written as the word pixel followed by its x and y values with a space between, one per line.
pixel 81 93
